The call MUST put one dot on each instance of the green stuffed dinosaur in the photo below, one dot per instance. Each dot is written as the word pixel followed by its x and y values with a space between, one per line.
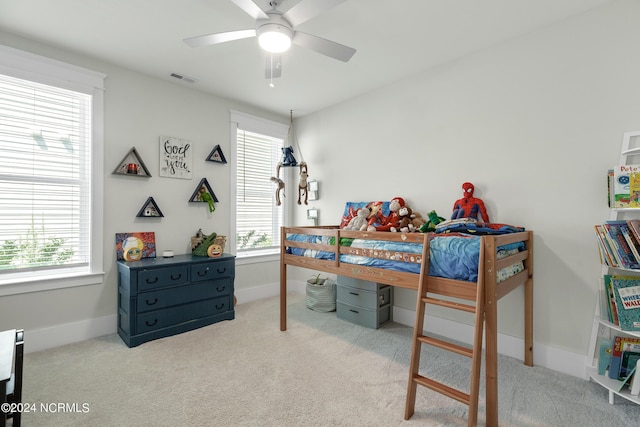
pixel 430 225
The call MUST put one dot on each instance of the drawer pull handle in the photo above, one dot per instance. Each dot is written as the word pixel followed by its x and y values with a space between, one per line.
pixel 152 302
pixel 176 277
pixel 218 307
pixel 354 311
pixel 221 289
pixel 151 282
pixel 151 323
pixel 354 293
pixel 203 273
pixel 220 271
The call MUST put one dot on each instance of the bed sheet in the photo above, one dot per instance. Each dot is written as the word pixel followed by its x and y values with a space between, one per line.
pixel 451 256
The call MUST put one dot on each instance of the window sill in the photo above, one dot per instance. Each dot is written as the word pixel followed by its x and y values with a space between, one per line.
pixel 30 284
pixel 255 258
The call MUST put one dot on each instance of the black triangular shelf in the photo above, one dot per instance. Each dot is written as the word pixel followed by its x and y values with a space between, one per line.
pixel 132 157
pixel 216 155
pixel 195 197
pixel 150 210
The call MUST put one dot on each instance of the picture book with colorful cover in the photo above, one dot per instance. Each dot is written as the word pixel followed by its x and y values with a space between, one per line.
pixel 607 242
pixel 605 256
pixel 620 344
pixel 625 255
pixel 634 189
pixel 627 294
pixel 605 348
pixel 629 360
pixel 634 244
pixel 634 228
pixel 613 312
pixel 621 179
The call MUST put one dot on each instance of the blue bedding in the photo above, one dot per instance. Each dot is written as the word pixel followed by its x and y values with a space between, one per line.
pixel 451 256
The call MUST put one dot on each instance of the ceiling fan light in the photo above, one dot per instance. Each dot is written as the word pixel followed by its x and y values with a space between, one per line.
pixel 274 38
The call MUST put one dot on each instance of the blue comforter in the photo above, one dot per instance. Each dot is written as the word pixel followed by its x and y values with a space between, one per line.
pixel 451 256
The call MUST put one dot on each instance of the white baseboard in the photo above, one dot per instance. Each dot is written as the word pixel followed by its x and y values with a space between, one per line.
pixel 55 336
pixel 548 357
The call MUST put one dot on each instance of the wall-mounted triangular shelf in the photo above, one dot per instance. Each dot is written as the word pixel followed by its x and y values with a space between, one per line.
pixel 150 210
pixel 216 155
pixel 203 185
pixel 132 165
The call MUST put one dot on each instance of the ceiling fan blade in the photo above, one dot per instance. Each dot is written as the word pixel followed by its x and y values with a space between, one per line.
pixel 251 8
pixel 273 66
pixel 307 9
pixel 210 39
pixel 326 47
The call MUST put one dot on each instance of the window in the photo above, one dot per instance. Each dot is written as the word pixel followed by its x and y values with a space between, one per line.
pixel 51 173
pixel 257 151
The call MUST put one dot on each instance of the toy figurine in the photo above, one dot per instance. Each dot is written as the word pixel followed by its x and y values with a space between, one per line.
pixel 469 206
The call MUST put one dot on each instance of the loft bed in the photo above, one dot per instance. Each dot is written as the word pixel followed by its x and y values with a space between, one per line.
pixel 498 264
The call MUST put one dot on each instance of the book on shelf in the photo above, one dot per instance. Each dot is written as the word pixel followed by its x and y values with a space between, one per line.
pixel 605 348
pixel 604 241
pixel 633 242
pixel 634 228
pixel 620 344
pixel 611 299
pixel 628 362
pixel 625 254
pixel 624 380
pixel 610 193
pixel 627 295
pixel 634 189
pixel 621 190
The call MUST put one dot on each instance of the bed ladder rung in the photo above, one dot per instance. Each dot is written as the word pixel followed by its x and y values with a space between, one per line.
pixel 450 304
pixel 442 389
pixel 465 351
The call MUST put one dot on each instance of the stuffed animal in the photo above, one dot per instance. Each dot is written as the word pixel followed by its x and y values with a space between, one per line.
pixel 302 186
pixel 404 215
pixel 469 206
pixel 417 220
pixel 287 157
pixel 434 220
pixel 279 188
pixel 359 222
pixel 381 223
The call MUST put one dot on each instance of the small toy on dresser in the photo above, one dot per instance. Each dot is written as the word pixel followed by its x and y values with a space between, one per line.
pixel 210 245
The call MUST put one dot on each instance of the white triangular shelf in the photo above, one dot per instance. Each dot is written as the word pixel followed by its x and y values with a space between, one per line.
pixel 132 158
pixel 150 210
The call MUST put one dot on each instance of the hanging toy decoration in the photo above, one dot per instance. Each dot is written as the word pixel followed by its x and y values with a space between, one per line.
pixel 302 185
pixel 469 206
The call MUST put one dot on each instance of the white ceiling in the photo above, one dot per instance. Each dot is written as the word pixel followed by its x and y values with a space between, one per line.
pixel 393 39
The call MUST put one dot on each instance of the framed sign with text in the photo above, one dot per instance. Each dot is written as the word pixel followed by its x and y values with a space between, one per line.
pixel 175 157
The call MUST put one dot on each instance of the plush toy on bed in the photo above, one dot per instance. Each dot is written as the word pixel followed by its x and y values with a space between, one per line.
pixel 417 220
pixel 405 225
pixel 359 222
pixel 469 206
pixel 434 220
pixel 379 222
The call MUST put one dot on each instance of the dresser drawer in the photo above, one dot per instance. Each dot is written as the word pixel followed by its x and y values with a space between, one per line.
pixel 212 270
pixel 161 298
pixel 360 316
pixel 159 277
pixel 170 316
pixel 361 298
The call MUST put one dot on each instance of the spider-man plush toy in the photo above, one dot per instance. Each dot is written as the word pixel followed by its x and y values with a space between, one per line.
pixel 469 206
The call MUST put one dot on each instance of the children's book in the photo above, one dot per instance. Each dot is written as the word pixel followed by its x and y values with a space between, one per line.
pixel 621 189
pixel 605 348
pixel 607 242
pixel 620 344
pixel 627 294
pixel 631 240
pixel 625 255
pixel 634 189
pixel 629 360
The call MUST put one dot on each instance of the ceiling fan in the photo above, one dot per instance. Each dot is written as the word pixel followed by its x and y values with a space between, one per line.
pixel 276 32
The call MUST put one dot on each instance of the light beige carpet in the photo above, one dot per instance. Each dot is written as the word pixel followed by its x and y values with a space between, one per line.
pixel 321 372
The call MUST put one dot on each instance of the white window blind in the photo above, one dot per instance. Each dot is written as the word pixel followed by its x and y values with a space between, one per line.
pixel 258 218
pixel 45 176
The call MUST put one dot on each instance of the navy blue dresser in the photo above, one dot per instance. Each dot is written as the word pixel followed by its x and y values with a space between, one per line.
pixel 159 297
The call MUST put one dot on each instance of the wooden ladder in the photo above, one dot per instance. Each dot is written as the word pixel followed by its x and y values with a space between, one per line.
pixel 419 338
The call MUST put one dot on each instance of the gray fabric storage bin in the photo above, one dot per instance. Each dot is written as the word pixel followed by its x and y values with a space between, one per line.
pixel 321 298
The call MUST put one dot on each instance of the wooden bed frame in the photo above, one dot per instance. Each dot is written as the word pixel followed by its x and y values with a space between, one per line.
pixel 487 277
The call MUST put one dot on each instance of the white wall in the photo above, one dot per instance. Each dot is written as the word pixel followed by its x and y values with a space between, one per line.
pixel 138 110
pixel 534 123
